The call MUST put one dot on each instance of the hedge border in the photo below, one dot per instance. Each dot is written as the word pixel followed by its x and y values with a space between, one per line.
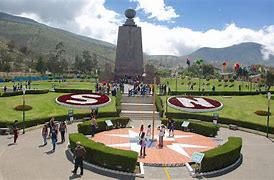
pixel 104 156
pixel 159 105
pixel 221 120
pixel 222 156
pixel 18 93
pixel 118 122
pixel 199 127
pixel 61 90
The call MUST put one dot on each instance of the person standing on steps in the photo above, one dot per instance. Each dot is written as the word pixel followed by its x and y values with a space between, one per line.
pixel 79 155
pixel 15 131
pixel 45 133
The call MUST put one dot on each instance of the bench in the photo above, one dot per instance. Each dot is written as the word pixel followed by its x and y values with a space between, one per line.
pixel 4 131
pixel 233 127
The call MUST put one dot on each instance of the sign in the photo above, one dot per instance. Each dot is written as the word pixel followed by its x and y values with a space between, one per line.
pixel 197 157
pixel 185 124
pixel 194 104
pixel 109 123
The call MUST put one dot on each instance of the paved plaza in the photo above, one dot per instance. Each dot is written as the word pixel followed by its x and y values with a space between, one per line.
pixel 27 160
pixel 177 150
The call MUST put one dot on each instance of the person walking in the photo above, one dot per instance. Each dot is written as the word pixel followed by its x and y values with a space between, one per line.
pixel 143 142
pixel 93 126
pixel 53 137
pixel 15 131
pixel 63 130
pixel 171 127
pixel 45 133
pixel 79 155
pixel 50 125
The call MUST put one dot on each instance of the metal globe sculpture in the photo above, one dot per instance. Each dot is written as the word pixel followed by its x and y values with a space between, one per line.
pixel 130 13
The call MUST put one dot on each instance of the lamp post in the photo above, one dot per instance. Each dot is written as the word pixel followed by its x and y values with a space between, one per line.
pixel 153 115
pixel 268 112
pixel 24 91
pixel 176 74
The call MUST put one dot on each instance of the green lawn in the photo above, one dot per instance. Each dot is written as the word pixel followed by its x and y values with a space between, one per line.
pixel 43 105
pixel 70 84
pixel 182 85
pixel 240 108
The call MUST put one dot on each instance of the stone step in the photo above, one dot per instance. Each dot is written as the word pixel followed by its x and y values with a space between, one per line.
pixel 138 112
pixel 138 100
pixel 138 108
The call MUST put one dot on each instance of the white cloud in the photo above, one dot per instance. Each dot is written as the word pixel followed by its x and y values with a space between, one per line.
pixel 156 9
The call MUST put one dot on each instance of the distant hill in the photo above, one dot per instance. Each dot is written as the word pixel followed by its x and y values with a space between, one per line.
pixel 164 61
pixel 42 39
pixel 244 53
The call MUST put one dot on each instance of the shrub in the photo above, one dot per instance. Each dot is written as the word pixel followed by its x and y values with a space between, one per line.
pixel 221 120
pixel 199 127
pixel 222 156
pixel 225 80
pixel 219 80
pixel 231 80
pixel 219 85
pixel 159 105
pixel 218 93
pixel 104 156
pixel 85 127
pixel 72 90
pixel 262 113
pixel 21 108
pixel 17 93
pixel 207 84
pixel 231 85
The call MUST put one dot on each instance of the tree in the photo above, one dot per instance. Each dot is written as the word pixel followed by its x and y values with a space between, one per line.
pixel 87 61
pixel 207 69
pixel 269 79
pixel 11 45
pixel 78 64
pixel 40 65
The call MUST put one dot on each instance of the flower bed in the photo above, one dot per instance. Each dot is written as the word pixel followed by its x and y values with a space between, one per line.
pixel 83 100
pixel 194 104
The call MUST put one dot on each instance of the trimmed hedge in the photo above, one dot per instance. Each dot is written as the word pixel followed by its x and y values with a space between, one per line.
pixel 199 127
pixel 218 93
pixel 35 122
pixel 222 156
pixel 104 156
pixel 221 120
pixel 60 90
pixel 17 93
pixel 262 113
pixel 85 127
pixel 159 105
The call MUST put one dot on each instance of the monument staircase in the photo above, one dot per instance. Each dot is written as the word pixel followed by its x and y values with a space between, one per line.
pixel 139 109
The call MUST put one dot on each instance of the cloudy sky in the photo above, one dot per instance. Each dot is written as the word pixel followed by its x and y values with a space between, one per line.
pixel 174 27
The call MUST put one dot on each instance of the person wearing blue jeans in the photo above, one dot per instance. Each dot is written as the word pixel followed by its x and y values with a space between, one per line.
pixel 53 138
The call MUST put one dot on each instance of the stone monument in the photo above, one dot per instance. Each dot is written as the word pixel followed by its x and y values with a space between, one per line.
pixel 129 53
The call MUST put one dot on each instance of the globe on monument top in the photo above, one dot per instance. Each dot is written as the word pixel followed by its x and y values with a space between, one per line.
pixel 130 13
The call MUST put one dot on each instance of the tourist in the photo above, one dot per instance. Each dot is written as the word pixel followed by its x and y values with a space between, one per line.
pixel 50 124
pixel 93 125
pixel 53 137
pixel 63 130
pixel 161 136
pixel 45 134
pixel 213 88
pixel 5 88
pixel 148 131
pixel 15 131
pixel 142 142
pixel 141 129
pixel 79 154
pixel 171 126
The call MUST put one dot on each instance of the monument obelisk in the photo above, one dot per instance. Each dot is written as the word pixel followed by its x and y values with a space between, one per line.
pixel 129 53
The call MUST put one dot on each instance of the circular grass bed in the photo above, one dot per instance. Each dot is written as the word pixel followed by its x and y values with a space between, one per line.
pixel 22 108
pixel 262 113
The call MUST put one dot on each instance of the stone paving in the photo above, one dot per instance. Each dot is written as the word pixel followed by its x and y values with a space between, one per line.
pixel 176 150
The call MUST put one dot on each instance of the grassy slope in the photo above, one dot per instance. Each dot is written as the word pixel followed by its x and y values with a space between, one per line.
pixel 241 108
pixel 31 35
pixel 44 106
